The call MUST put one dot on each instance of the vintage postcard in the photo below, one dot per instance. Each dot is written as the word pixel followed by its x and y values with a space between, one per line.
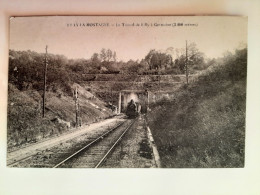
pixel 127 92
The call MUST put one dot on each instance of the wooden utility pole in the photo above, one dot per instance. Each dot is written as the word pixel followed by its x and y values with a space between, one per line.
pixel 77 106
pixel 187 73
pixel 119 103
pixel 159 86
pixel 45 77
pixel 147 100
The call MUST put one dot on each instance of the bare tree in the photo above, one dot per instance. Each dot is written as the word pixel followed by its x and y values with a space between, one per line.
pixel 114 56
pixel 109 54
pixel 103 54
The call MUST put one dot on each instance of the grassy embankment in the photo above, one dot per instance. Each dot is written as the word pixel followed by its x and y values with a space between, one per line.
pixel 204 125
pixel 25 122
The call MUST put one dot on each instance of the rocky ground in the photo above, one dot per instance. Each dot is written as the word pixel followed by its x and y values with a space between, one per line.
pixel 134 151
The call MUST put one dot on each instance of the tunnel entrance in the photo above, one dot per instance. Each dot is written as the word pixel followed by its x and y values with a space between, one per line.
pixel 140 97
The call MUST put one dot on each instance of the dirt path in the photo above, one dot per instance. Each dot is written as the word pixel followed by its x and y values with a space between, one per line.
pixel 30 150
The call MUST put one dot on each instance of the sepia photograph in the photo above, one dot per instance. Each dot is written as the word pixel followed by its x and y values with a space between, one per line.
pixel 127 92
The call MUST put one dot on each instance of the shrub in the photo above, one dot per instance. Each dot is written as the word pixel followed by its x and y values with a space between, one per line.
pixel 204 126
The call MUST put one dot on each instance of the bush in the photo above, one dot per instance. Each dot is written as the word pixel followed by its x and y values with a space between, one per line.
pixel 204 126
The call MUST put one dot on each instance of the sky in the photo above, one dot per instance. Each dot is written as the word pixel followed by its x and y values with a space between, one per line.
pixel 213 35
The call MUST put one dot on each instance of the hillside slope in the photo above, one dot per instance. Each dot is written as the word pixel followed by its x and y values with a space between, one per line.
pixel 204 125
pixel 25 122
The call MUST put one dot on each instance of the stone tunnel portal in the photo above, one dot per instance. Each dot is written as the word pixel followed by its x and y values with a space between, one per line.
pixel 140 97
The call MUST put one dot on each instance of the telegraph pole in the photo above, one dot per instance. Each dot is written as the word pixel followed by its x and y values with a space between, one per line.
pixel 119 103
pixel 77 106
pixel 159 78
pixel 147 99
pixel 45 76
pixel 187 74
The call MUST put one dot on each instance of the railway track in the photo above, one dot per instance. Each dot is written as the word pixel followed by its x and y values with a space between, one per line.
pixel 94 154
pixel 58 151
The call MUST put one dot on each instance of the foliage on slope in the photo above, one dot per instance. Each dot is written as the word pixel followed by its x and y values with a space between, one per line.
pixel 204 125
pixel 26 125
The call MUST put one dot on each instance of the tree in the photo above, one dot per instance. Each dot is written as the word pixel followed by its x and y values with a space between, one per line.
pixel 180 63
pixel 158 60
pixel 148 58
pixel 132 67
pixel 155 61
pixel 106 55
pixel 195 58
pixel 114 56
pixel 103 55
pixel 109 54
pixel 165 60
pixel 95 57
pixel 95 62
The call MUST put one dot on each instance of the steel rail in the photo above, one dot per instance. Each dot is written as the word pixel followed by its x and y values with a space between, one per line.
pixel 18 161
pixel 88 145
pixel 112 147
pixel 47 139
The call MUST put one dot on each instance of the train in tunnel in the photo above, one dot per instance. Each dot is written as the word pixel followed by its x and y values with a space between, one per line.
pixel 133 103
pixel 133 109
